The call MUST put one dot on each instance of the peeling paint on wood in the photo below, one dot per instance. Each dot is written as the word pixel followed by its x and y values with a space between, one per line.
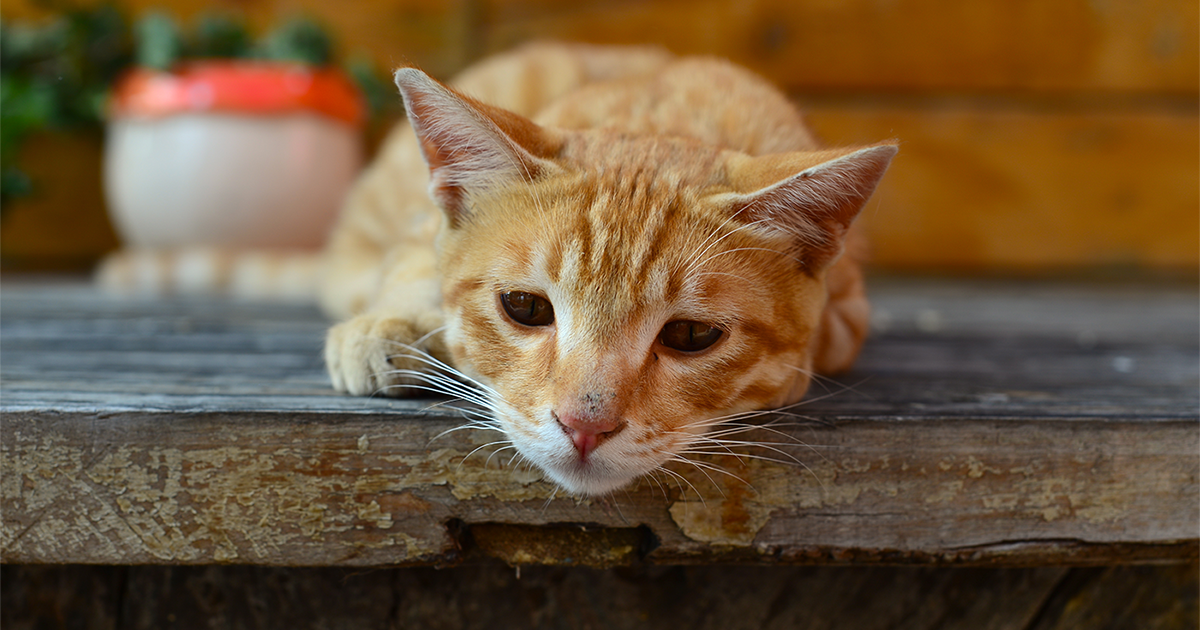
pixel 277 471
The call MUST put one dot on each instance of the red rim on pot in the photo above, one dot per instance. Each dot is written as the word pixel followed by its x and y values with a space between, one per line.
pixel 245 87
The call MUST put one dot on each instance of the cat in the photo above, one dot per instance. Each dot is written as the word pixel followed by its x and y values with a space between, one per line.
pixel 620 248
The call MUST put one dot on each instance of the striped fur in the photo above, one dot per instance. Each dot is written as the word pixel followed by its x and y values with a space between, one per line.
pixel 634 191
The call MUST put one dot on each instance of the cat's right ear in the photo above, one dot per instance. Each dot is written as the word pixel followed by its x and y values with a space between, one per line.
pixel 469 145
pixel 811 196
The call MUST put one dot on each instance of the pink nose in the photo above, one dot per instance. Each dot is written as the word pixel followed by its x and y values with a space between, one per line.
pixel 588 433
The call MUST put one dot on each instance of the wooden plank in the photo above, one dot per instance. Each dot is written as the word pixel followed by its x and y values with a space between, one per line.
pixel 1075 145
pixel 1068 436
pixel 436 34
pixel 1123 597
pixel 1076 46
pixel 62 224
pixel 1028 190
pixel 492 595
pixel 861 45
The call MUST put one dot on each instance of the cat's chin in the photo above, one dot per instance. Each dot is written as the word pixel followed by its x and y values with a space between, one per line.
pixel 585 485
pixel 592 478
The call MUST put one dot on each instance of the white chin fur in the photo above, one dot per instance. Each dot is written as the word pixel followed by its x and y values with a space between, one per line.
pixel 612 466
pixel 603 473
pixel 586 482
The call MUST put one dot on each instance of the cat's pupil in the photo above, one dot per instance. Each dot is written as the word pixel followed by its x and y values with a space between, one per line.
pixel 527 308
pixel 688 336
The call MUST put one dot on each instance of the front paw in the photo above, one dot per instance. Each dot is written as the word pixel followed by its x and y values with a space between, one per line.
pixel 376 354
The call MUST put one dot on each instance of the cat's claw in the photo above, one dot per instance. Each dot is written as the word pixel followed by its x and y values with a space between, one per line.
pixel 366 355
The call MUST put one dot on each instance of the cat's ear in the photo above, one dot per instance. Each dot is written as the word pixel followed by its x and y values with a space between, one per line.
pixel 470 145
pixel 812 196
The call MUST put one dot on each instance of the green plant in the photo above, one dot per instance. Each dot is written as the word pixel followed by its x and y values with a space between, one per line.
pixel 161 43
pixel 57 76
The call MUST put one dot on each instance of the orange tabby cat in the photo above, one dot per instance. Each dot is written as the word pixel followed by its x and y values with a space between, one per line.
pixel 629 248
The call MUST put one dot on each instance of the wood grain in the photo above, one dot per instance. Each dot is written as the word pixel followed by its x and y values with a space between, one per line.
pixel 434 34
pixel 1036 137
pixel 62 224
pixel 993 45
pixel 905 45
pixel 986 424
pixel 489 595
pixel 1023 189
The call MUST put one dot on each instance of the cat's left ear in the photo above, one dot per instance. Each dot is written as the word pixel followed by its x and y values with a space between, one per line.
pixel 468 145
pixel 811 196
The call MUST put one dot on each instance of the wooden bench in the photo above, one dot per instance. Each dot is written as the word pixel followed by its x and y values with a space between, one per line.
pixel 998 424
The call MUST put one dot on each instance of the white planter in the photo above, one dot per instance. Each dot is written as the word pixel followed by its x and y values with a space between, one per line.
pixel 226 179
pixel 231 154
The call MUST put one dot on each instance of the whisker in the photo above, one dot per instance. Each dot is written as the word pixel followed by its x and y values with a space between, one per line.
pixel 748 249
pixel 701 466
pixel 745 226
pixel 825 380
pixel 462 427
pixel 476 450
pixel 680 479
pixel 782 462
pixel 550 498
pixel 443 385
pixel 677 458
pixel 474 415
pixel 653 477
pixel 499 450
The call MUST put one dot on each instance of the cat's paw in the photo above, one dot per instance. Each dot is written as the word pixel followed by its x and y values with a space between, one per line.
pixel 376 354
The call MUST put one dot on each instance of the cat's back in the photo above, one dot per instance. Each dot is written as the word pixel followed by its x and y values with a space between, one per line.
pixel 702 98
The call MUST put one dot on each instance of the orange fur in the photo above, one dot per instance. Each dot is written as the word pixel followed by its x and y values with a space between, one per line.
pixel 630 189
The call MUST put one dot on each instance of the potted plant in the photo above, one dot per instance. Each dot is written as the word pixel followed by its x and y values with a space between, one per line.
pixel 54 78
pixel 215 140
pixel 55 82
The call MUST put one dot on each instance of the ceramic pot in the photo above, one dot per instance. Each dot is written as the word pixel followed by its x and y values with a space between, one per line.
pixel 231 154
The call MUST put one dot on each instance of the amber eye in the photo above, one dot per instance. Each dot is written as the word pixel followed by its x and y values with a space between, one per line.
pixel 527 308
pixel 688 336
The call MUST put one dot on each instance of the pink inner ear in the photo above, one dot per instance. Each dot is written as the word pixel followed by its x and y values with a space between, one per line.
pixel 817 205
pixel 469 144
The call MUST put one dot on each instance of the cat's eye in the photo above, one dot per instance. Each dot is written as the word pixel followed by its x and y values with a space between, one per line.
pixel 527 308
pixel 688 336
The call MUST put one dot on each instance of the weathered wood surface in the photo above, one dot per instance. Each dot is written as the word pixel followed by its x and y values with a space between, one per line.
pixel 1033 134
pixel 901 45
pixel 985 424
pixel 1026 188
pixel 490 595
pixel 989 45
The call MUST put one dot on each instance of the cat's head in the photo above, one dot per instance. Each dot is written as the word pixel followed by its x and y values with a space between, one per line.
pixel 622 294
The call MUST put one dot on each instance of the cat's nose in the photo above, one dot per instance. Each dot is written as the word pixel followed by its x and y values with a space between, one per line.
pixel 586 432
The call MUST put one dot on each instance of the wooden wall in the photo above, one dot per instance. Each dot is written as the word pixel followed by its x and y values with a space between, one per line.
pixel 1036 136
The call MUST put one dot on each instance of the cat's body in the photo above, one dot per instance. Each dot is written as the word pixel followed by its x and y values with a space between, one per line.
pixel 647 245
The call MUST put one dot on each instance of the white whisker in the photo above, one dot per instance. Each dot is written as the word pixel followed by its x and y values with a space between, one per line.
pixel 696 256
pixel 679 458
pixel 748 249
pixel 499 450
pixel 680 479
pixel 477 449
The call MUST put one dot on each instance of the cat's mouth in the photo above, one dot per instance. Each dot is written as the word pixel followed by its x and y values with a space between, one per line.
pixel 593 476
pixel 601 471
pixel 584 458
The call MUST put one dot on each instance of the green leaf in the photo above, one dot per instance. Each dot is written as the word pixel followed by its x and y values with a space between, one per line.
pixel 383 100
pixel 300 40
pixel 220 36
pixel 159 43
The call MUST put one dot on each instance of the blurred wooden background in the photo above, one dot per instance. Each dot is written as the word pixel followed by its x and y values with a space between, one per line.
pixel 1037 137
